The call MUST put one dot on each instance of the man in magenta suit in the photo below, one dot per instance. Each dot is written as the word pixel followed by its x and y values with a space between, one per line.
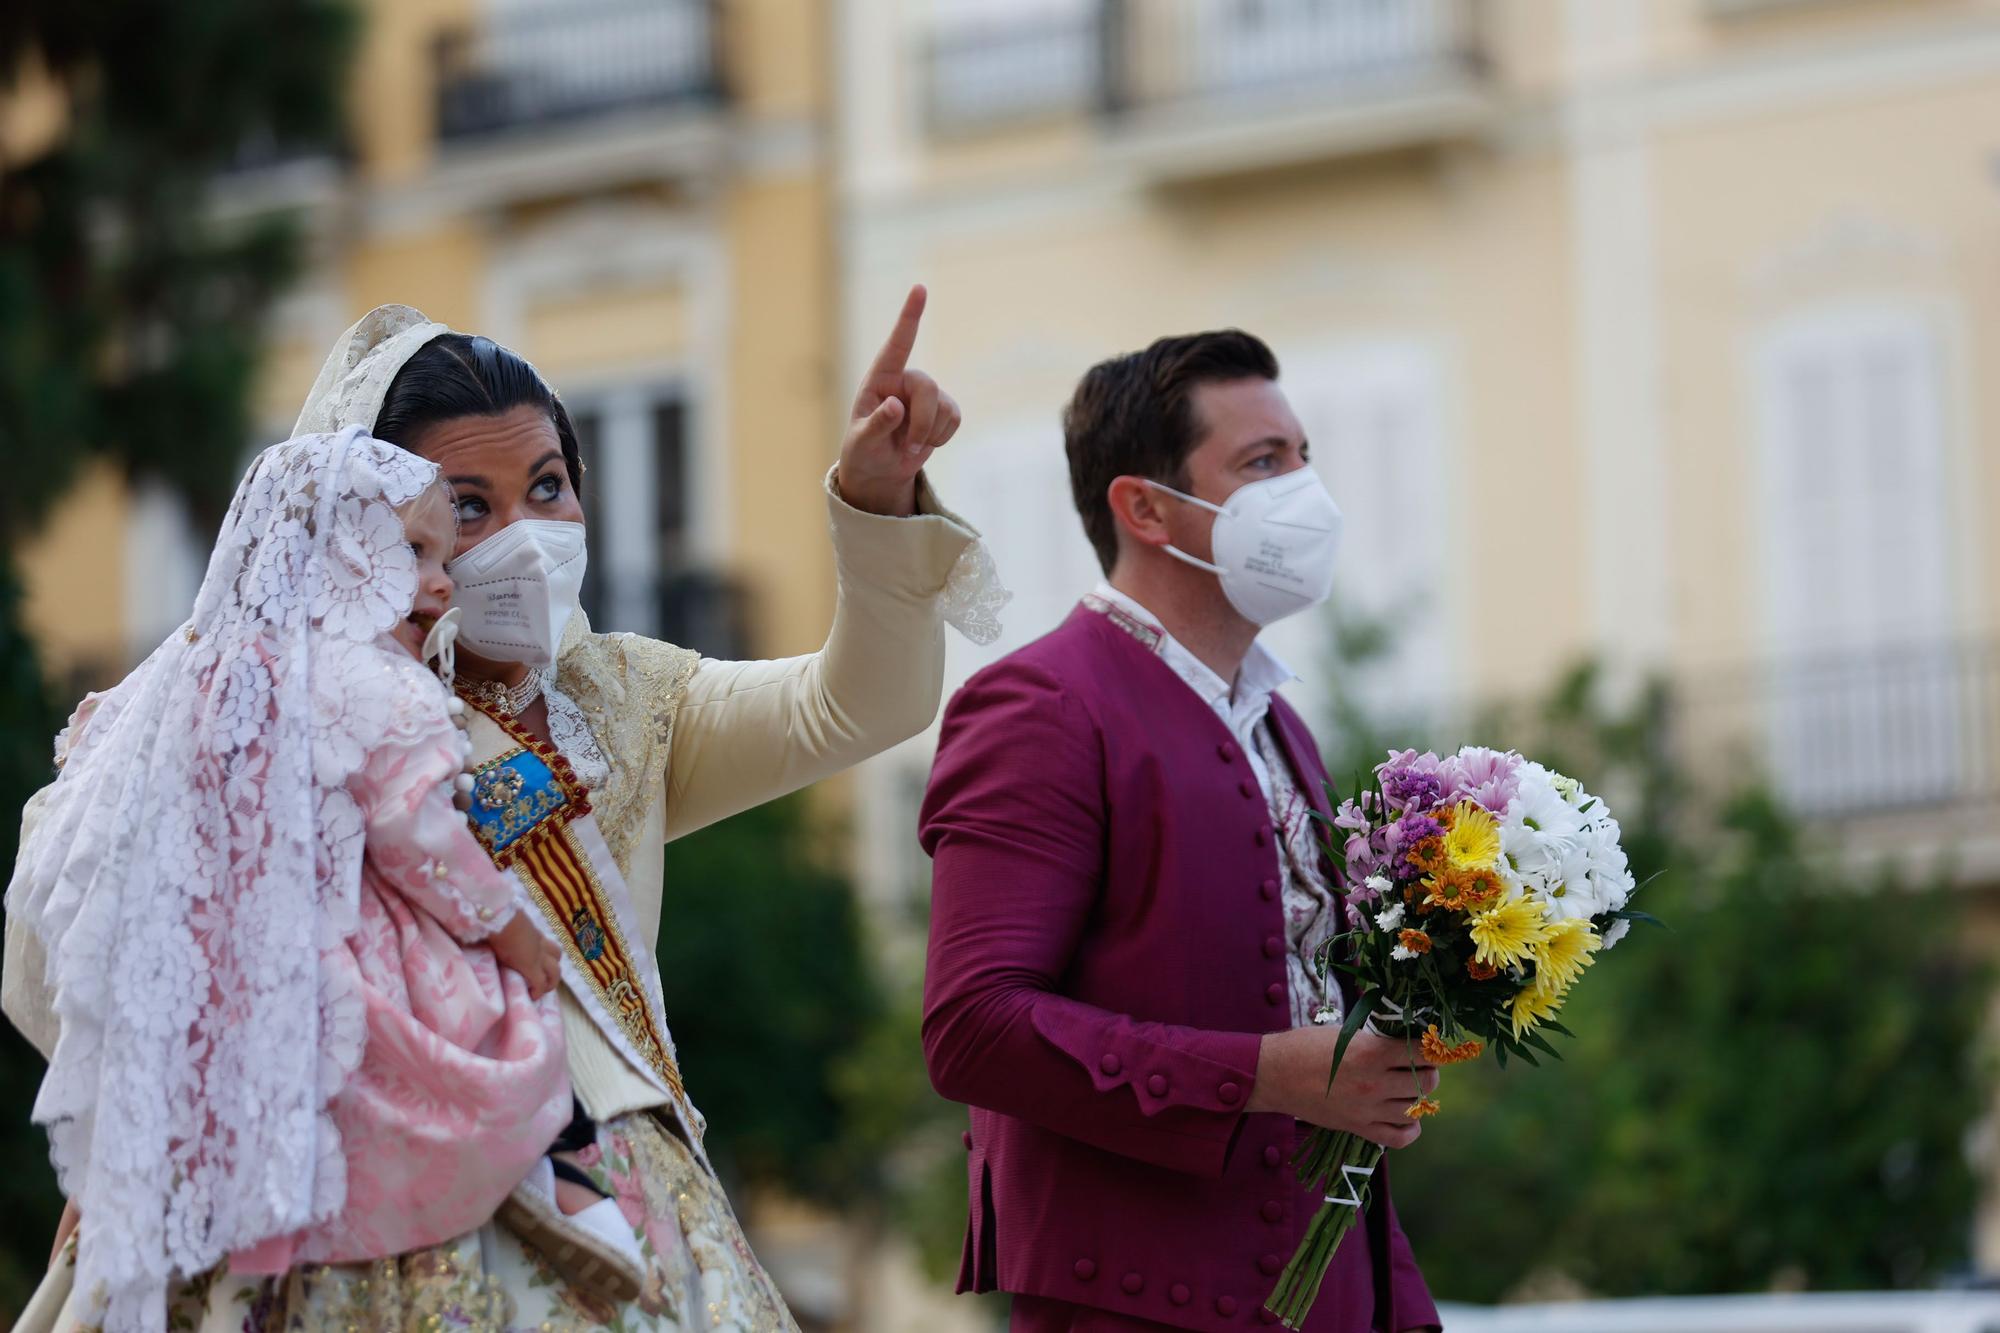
pixel 1128 888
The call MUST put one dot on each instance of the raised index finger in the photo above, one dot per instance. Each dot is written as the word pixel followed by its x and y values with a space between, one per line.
pixel 895 353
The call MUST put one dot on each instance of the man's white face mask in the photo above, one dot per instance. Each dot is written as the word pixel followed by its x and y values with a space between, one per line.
pixel 1274 543
pixel 517 589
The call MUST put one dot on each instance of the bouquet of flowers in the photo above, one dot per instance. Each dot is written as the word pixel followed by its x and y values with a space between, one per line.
pixel 1479 888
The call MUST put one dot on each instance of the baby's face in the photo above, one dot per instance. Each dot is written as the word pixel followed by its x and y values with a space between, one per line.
pixel 427 522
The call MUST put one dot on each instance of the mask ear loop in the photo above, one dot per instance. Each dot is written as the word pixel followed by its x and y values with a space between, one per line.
pixel 442 644
pixel 1175 551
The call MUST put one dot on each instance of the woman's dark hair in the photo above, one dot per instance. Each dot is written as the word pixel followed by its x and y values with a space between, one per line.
pixel 460 375
pixel 1133 416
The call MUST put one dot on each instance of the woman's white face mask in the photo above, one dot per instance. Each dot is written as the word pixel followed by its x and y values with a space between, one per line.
pixel 517 590
pixel 1274 541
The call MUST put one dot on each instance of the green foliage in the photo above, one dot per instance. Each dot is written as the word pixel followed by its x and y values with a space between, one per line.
pixel 908 1134
pixel 768 985
pixel 129 316
pixel 1776 1089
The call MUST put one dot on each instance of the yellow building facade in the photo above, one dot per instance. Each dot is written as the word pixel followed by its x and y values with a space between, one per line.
pixel 1646 330
pixel 636 197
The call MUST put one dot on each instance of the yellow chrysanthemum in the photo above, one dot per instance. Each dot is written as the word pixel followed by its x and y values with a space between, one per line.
pixel 1540 1000
pixel 1568 950
pixel 1507 934
pixel 1473 840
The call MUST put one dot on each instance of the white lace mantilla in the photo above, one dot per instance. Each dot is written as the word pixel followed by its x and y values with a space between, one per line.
pixel 201 822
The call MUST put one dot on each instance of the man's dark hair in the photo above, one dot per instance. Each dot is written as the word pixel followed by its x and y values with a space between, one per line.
pixel 1134 416
pixel 461 375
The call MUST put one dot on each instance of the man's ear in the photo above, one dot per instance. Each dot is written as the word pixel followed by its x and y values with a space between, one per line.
pixel 1139 510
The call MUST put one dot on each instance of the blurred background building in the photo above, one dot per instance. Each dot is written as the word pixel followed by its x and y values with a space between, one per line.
pixel 1655 333
pixel 1665 315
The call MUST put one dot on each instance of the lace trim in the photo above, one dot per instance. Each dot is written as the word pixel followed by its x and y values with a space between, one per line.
pixel 973 595
pixel 572 735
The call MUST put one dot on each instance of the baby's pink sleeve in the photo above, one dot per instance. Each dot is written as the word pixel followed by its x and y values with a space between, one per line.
pixel 418 840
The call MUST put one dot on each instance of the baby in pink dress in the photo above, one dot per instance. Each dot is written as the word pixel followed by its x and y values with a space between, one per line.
pixel 303 1018
pixel 462 1083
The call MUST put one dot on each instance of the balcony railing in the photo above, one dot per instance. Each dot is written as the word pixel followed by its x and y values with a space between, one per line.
pixel 1007 69
pixel 1237 50
pixel 1131 55
pixel 1847 735
pixel 546 62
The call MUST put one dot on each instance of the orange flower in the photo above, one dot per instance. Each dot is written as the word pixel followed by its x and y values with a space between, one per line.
pixel 1415 941
pixel 1481 887
pixel 1479 971
pixel 1458 890
pixel 1427 856
pixel 1421 1107
pixel 1438 1053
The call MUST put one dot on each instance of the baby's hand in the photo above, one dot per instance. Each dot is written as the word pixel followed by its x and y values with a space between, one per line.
pixel 520 946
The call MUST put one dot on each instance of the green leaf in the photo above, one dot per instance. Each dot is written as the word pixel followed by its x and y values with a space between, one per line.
pixel 1364 1005
pixel 1541 1043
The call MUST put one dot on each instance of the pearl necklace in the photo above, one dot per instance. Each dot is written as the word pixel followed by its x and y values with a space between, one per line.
pixel 511 701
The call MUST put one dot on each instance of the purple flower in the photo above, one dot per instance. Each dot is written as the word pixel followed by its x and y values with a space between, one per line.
pixel 1411 780
pixel 1490 778
pixel 1351 817
pixel 1411 789
pixel 1413 828
pixel 1362 857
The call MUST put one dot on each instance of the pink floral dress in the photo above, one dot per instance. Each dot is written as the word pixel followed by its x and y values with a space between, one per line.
pixel 463 1080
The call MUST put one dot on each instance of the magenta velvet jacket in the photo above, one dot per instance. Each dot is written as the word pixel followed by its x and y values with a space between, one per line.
pixel 1106 948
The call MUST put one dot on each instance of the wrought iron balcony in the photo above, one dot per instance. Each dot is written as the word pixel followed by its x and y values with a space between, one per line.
pixel 1127 59
pixel 1850 735
pixel 551 62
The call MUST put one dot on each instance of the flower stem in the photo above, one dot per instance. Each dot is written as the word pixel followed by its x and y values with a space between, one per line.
pixel 1320 1162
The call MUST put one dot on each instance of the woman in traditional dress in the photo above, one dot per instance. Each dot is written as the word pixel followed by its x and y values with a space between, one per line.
pixel 591 751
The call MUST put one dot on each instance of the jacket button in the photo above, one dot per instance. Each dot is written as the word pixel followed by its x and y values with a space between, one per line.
pixel 1247 787
pixel 1229 1093
pixel 1179 1294
pixel 1225 1306
pixel 1272 1157
pixel 1085 1269
pixel 1274 994
pixel 966 1139
pixel 1157 1085
pixel 1273 946
pixel 1263 837
pixel 1110 1064
pixel 1225 752
pixel 1268 890
pixel 1269 1264
pixel 1272 1210
pixel 1266 1317
pixel 1132 1283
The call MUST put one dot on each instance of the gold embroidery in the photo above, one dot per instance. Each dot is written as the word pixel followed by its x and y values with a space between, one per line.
pixel 629 689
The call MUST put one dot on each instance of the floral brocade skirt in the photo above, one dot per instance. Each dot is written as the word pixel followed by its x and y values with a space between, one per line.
pixel 700 1273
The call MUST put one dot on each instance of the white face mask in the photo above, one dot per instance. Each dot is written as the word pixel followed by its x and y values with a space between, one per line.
pixel 1274 544
pixel 517 590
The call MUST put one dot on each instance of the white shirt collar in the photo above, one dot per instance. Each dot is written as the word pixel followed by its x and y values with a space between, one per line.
pixel 1262 672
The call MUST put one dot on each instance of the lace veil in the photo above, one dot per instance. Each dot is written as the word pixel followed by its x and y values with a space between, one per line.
pixel 195 858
